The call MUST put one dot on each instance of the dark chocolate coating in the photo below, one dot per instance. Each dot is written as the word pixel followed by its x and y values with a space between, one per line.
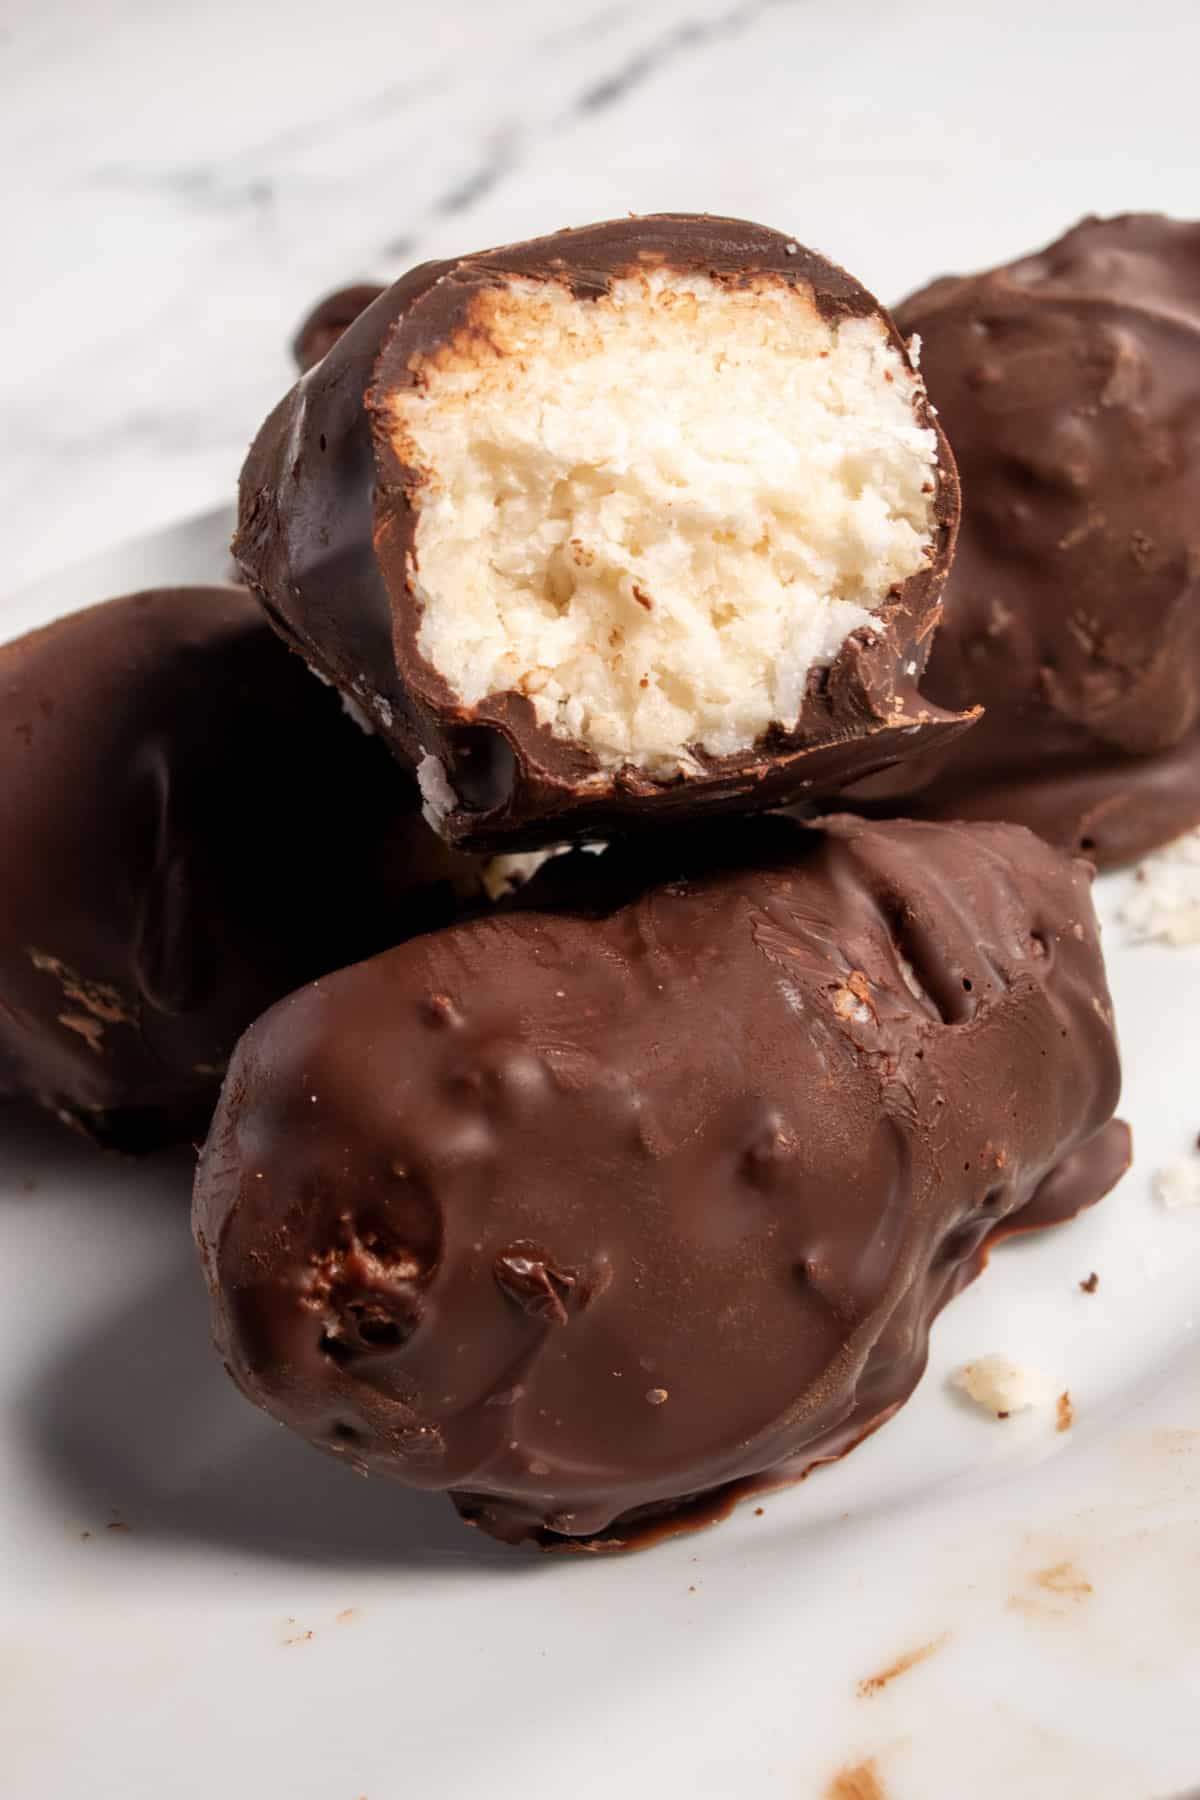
pixel 324 325
pixel 585 1214
pixel 1069 385
pixel 191 827
pixel 327 523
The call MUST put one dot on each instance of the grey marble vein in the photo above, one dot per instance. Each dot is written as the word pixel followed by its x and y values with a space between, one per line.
pixel 500 158
pixel 692 34
pixel 583 31
pixel 507 146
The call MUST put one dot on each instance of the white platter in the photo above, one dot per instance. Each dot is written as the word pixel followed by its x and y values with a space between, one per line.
pixel 194 1605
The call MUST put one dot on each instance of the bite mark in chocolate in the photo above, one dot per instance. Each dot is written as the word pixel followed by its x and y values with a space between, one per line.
pixel 626 523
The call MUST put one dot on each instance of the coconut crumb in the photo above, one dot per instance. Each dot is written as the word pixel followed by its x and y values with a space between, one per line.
pixel 848 1004
pixel 1165 905
pixel 503 875
pixel 350 706
pixel 1177 1183
pixel 354 711
pixel 436 793
pixel 910 977
pixel 999 1385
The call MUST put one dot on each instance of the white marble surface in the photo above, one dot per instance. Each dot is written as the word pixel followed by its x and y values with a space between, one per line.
pixel 183 179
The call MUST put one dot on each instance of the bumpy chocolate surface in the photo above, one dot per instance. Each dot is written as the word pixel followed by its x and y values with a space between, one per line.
pixel 591 1217
pixel 191 827
pixel 324 325
pixel 1069 385
pixel 327 523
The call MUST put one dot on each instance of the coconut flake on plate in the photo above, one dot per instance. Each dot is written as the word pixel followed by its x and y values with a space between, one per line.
pixel 1164 907
pixel 999 1385
pixel 1177 1183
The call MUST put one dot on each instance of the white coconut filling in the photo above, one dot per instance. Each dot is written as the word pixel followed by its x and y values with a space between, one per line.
pixel 654 513
pixel 437 796
pixel 1001 1386
pixel 504 875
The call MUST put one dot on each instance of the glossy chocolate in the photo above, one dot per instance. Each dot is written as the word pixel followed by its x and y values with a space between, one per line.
pixel 191 827
pixel 326 527
pixel 1069 385
pixel 593 1215
pixel 324 325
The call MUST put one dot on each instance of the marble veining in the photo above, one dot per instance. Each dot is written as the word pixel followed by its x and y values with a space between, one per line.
pixel 184 181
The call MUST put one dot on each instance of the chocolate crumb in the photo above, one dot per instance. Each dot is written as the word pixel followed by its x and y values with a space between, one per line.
pixel 1091 1284
pixel 531 1278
